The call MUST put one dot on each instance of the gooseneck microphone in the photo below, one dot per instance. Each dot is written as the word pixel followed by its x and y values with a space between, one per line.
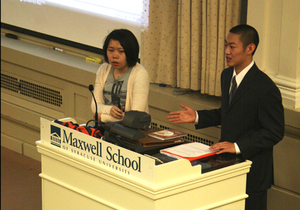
pixel 91 88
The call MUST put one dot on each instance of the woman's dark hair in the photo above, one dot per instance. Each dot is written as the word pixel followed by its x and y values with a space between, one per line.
pixel 128 41
pixel 248 34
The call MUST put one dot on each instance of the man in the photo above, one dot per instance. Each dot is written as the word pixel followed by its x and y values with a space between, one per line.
pixel 251 114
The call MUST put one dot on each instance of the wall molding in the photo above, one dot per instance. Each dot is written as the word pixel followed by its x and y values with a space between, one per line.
pixel 290 91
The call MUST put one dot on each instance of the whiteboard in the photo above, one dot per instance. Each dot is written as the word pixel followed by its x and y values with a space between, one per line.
pixel 63 22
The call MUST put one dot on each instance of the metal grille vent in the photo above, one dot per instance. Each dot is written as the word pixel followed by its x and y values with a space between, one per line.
pixel 189 137
pixel 9 83
pixel 31 90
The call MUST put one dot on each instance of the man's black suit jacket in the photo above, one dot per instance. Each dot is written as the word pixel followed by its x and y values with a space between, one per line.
pixel 254 120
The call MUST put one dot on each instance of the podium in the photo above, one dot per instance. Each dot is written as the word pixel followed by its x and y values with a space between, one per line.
pixel 83 172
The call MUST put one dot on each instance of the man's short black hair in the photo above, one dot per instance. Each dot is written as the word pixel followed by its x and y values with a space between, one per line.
pixel 248 34
pixel 129 43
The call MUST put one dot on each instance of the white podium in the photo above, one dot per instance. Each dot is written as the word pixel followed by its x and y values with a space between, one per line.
pixel 83 172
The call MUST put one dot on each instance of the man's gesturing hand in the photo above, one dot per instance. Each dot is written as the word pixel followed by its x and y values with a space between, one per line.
pixel 188 115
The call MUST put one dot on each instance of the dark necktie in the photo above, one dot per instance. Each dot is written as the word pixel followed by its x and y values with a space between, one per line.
pixel 233 89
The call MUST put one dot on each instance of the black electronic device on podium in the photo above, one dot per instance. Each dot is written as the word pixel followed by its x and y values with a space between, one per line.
pixel 132 132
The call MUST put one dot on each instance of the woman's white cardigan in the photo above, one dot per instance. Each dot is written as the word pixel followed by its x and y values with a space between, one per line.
pixel 137 91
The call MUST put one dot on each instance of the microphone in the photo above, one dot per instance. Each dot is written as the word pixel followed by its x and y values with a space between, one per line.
pixel 91 88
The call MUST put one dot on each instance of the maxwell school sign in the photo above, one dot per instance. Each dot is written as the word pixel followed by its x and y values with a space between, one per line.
pixel 105 154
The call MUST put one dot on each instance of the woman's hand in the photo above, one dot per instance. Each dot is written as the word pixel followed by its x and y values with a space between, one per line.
pixel 99 117
pixel 116 112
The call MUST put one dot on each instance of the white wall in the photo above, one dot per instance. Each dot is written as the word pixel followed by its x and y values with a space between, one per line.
pixel 278 54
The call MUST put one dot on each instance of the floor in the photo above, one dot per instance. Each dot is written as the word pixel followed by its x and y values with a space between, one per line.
pixel 20 182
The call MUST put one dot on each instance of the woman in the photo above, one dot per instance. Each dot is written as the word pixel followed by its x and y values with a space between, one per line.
pixel 122 84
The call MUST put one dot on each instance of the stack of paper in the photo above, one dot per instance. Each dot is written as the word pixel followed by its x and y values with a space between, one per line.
pixel 190 151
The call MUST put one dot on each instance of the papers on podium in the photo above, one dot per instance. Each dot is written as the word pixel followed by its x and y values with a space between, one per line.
pixel 191 151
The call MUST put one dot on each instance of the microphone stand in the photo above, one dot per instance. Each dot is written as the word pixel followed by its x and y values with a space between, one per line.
pixel 91 88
